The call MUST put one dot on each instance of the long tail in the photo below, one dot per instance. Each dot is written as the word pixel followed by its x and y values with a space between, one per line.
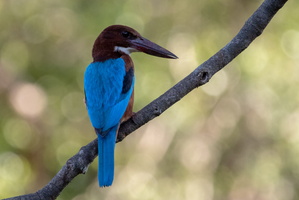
pixel 106 145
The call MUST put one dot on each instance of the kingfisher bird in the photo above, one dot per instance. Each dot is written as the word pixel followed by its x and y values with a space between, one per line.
pixel 109 88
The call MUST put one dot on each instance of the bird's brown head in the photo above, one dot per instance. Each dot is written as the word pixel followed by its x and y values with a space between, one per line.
pixel 117 40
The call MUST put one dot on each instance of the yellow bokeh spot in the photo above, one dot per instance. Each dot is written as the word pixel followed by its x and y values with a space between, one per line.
pixel 18 133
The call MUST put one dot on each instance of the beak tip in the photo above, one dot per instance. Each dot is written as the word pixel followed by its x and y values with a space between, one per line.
pixel 172 56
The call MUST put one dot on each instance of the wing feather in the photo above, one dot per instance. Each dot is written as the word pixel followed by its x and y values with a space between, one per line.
pixel 103 86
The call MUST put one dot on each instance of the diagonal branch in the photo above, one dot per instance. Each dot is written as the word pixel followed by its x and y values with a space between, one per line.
pixel 252 28
pixel 78 164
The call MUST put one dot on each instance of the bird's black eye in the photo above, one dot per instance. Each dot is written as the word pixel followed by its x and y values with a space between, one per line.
pixel 125 34
pixel 128 35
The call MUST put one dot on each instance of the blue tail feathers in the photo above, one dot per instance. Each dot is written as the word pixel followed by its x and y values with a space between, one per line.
pixel 106 145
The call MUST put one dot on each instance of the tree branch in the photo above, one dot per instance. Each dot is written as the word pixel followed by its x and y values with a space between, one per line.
pixel 252 28
pixel 79 163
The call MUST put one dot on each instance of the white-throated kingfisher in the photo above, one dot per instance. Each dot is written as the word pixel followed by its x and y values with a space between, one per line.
pixel 109 85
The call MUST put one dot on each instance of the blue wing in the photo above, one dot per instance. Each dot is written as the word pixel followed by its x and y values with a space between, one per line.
pixel 105 98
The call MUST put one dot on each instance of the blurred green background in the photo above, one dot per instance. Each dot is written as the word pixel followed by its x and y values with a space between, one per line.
pixel 234 138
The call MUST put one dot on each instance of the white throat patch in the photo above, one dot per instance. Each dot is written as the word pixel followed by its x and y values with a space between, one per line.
pixel 125 50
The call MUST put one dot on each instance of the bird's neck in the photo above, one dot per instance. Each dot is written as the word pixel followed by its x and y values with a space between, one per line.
pixel 103 54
